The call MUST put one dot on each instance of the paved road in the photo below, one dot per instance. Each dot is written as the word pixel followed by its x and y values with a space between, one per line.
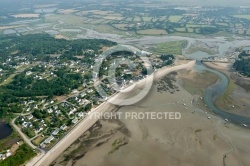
pixel 85 124
pixel 22 134
pixel 71 137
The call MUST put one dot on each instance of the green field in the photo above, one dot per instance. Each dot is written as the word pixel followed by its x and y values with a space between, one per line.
pixel 163 18
pixel 197 26
pixel 195 49
pixel 173 47
pixel 103 28
pixel 243 16
pixel 189 30
pixel 152 32
pixel 147 19
pixel 129 19
pixel 222 24
pixel 137 19
pixel 175 18
pixel 8 80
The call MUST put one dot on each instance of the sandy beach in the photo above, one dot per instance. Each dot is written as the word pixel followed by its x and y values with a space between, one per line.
pixel 84 125
pixel 198 138
pixel 218 65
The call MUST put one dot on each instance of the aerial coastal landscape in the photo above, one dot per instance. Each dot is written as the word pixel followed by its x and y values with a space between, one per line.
pixel 130 83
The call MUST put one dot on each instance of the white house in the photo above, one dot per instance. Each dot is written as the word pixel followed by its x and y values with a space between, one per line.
pixel 48 140
pixel 63 127
pixel 8 154
pixel 75 91
pixel 89 90
pixel 39 129
pixel 75 120
pixel 83 94
pixel 30 117
pixel 28 73
pixel 55 132
pixel 49 110
pixel 24 124
pixel 81 114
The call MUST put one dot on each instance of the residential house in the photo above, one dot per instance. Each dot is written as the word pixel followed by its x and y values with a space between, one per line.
pixel 74 121
pixel 57 112
pixel 55 132
pixel 28 73
pixel 30 117
pixel 83 94
pixel 39 129
pixel 75 91
pixel 8 154
pixel 84 85
pixel 81 114
pixel 48 140
pixel 89 90
pixel 63 127
pixel 25 124
pixel 49 110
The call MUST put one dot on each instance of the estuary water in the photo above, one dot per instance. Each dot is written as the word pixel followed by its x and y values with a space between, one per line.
pixel 216 90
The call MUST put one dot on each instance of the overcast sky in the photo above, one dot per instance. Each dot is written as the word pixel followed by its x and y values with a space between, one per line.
pixel 180 2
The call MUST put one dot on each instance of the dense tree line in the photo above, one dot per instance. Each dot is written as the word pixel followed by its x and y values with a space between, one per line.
pixel 167 59
pixel 242 64
pixel 39 45
pixel 23 86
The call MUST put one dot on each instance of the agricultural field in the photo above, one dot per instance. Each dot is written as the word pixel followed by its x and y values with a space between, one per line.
pixel 121 26
pixel 198 26
pixel 137 19
pixel 195 49
pixel 28 15
pixel 10 27
pixel 8 80
pixel 175 18
pixel 222 24
pixel 113 17
pixel 107 29
pixel 66 11
pixel 173 47
pixel 69 19
pixel 155 19
pixel 129 19
pixel 147 19
pixel 152 32
pixel 163 18
pixel 126 17
pixel 98 21
pixel 243 16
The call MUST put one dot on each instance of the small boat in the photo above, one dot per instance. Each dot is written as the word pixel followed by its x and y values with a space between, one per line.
pixel 226 120
pixel 209 117
pixel 244 125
